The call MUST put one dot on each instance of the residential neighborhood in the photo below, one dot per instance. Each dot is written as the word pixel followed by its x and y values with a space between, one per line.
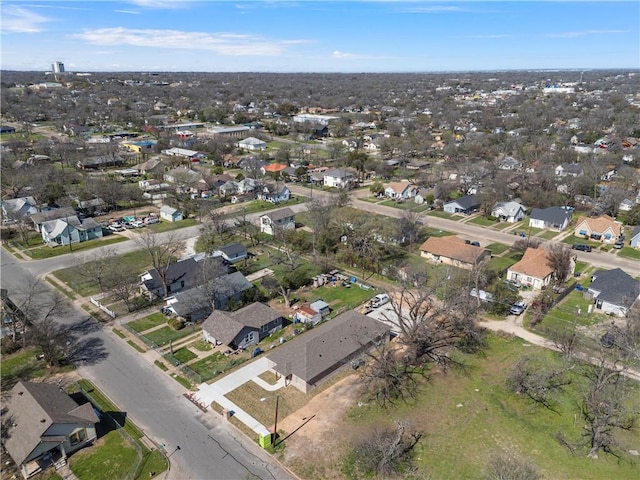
pixel 250 272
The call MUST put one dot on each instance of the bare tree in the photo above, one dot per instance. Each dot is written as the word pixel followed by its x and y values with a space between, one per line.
pixel 162 251
pixel 248 228
pixel 610 405
pixel 567 339
pixel 537 381
pixel 386 452
pixel 125 286
pixel 99 268
pixel 561 260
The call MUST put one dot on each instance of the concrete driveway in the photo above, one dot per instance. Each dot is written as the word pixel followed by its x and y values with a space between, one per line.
pixel 215 392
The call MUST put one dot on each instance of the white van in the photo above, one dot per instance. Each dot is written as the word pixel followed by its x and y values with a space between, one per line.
pixel 379 300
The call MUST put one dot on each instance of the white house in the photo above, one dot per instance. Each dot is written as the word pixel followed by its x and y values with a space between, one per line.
pixel 508 211
pixel 252 143
pixel 338 177
pixel 282 219
pixel 400 190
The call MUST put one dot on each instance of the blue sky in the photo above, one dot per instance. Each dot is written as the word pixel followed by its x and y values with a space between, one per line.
pixel 318 36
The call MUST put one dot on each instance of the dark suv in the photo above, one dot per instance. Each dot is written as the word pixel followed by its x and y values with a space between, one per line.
pixel 581 247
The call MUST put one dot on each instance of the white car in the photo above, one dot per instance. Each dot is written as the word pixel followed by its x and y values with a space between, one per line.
pixel 137 224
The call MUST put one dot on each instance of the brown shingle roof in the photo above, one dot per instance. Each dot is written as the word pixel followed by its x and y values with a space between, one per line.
pixel 321 349
pixel 534 263
pixel 225 326
pixel 454 248
pixel 601 224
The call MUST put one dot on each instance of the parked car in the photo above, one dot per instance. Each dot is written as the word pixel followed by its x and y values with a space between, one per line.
pixel 379 300
pixel 475 244
pixel 582 247
pixel 517 308
pixel 618 245
pixel 151 220
pixel 137 224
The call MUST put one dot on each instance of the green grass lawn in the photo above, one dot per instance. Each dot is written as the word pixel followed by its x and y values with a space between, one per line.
pixel 167 226
pixel 548 235
pixel 215 364
pixel 573 240
pixel 502 225
pixel 629 252
pixel 184 355
pixel 153 464
pixel 485 222
pixel 148 322
pixel 497 248
pixel 201 346
pixel 111 457
pixel 497 264
pixel 48 252
pixel 164 334
pixel 84 286
pixel 441 214
pixel 469 415
pixel 566 312
pixel 340 298
pixel 21 365
pixel 434 232
pixel 256 206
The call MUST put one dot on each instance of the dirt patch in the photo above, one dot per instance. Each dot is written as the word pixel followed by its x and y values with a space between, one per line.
pixel 318 434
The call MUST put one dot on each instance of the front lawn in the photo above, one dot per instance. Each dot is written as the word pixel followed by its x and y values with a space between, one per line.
pixel 163 335
pixel 497 248
pixel 573 240
pixel 566 312
pixel 184 355
pixel 629 252
pixel 153 464
pixel 147 322
pixel 167 226
pixel 256 206
pixel 498 264
pixel 110 457
pixel 441 214
pixel 483 221
pixel 548 235
pixel 216 364
pixel 48 252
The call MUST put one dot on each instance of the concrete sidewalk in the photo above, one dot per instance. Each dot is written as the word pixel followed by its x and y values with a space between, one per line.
pixel 215 392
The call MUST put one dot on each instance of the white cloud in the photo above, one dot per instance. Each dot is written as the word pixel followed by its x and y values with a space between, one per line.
pixel 232 44
pixel 161 4
pixel 584 33
pixel 128 12
pixel 20 20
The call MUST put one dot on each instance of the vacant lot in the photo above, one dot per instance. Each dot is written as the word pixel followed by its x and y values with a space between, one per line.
pixel 163 335
pixel 148 322
pixel 467 416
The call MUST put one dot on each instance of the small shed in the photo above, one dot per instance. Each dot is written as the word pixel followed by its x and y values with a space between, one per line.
pixel 170 214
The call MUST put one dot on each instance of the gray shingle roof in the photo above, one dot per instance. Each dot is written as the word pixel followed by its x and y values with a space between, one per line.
pixel 466 202
pixel 280 214
pixel 616 287
pixel 553 215
pixel 33 408
pixel 225 326
pixel 320 350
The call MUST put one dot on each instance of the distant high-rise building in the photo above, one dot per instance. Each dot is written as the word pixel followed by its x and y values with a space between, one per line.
pixel 57 67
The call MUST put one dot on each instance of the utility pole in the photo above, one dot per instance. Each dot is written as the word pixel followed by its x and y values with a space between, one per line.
pixel 275 423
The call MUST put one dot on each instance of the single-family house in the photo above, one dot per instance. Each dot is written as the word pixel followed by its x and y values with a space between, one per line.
pixel 509 163
pixel 534 269
pixel 242 328
pixel 100 162
pixel 510 212
pixel 43 216
pixel 613 291
pixel 568 169
pixel 338 178
pixel 321 307
pixel 228 188
pixel 273 168
pixel 252 143
pixel 247 185
pixel 306 314
pixel 274 194
pixel 282 219
pixel 170 214
pixel 196 303
pixel 179 276
pixel 452 251
pixel 153 165
pixel 232 253
pixel 553 218
pixel 634 241
pixel 466 205
pixel 627 205
pixel 44 426
pixel 600 229
pixel 18 208
pixel 400 190
pixel 70 230
pixel 313 357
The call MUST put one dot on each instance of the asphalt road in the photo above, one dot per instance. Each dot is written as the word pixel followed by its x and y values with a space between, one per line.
pixel 209 449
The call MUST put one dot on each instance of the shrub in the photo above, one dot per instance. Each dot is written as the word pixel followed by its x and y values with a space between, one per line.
pixel 176 323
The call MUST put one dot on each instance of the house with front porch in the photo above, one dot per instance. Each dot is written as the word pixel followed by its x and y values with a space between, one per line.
pixel 338 178
pixel 44 426
pixel 465 205
pixel 553 218
pixel 534 269
pixel 70 230
pixel 510 212
pixel 600 229
pixel 400 190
